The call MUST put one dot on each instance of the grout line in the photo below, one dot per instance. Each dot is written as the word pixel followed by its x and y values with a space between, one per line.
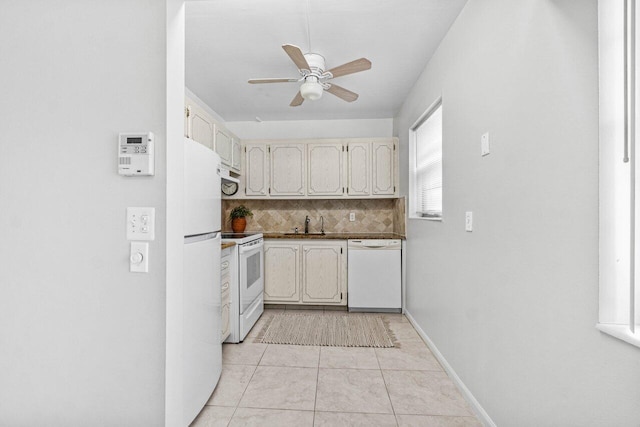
pixel 315 398
pixel 244 391
pixel 242 395
pixel 395 416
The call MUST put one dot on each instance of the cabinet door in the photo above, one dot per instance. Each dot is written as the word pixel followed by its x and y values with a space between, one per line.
pixel 223 146
pixel 382 176
pixel 325 170
pixel 201 125
pixel 281 272
pixel 256 172
pixel 359 169
pixel 324 270
pixel 287 169
pixel 226 313
pixel 235 154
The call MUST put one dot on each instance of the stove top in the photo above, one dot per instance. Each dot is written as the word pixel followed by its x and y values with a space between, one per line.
pixel 242 237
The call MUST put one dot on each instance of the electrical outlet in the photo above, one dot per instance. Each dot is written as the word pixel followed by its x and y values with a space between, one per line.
pixel 352 216
pixel 468 221
pixel 485 148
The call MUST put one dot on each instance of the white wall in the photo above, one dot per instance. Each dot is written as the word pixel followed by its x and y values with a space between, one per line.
pixel 300 129
pixel 82 339
pixel 174 397
pixel 512 305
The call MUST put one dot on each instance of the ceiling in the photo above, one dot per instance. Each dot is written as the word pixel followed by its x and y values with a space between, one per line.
pixel 231 41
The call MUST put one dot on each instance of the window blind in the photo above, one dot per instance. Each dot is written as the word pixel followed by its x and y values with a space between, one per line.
pixel 428 175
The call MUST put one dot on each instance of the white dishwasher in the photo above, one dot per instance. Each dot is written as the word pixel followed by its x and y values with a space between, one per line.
pixel 375 275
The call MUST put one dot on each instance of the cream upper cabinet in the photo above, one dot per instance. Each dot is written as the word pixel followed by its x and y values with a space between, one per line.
pixel 256 173
pixel 359 169
pixel 383 170
pixel 324 164
pixel 223 145
pixel 236 154
pixel 320 168
pixel 281 272
pixel 287 169
pixel 200 125
pixel 324 273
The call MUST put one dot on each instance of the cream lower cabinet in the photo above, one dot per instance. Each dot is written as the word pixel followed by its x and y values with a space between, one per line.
pixel 305 272
pixel 281 272
pixel 324 273
pixel 226 313
pixel 225 293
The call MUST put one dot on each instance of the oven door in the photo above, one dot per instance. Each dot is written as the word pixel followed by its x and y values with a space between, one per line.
pixel 251 281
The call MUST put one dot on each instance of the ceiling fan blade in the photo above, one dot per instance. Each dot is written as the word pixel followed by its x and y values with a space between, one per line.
pixel 298 100
pixel 256 81
pixel 342 93
pixel 296 56
pixel 351 67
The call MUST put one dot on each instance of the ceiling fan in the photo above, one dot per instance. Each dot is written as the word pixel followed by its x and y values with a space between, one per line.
pixel 315 78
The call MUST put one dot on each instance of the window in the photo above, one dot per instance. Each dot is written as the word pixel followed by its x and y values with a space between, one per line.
pixel 619 202
pixel 426 151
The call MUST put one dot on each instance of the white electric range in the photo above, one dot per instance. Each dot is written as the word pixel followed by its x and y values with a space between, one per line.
pixel 247 302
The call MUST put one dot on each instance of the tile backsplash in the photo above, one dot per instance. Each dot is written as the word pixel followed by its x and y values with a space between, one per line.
pixel 372 215
pixel 399 217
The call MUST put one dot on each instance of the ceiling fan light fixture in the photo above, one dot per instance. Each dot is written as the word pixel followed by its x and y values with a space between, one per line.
pixel 311 90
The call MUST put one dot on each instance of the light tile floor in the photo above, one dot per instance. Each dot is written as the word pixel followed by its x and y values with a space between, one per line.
pixel 286 385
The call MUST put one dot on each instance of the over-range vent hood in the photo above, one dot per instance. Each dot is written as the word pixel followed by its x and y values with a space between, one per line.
pixel 226 176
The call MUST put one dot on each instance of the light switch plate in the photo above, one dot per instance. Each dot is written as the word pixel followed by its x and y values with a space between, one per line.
pixel 468 221
pixel 141 223
pixel 484 144
pixel 139 257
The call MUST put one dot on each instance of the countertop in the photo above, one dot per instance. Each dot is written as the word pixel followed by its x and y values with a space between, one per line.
pixel 228 245
pixel 333 236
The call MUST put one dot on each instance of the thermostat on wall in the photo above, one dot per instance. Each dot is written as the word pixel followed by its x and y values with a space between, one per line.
pixel 135 154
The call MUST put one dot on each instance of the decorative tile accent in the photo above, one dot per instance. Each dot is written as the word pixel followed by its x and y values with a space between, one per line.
pixel 372 215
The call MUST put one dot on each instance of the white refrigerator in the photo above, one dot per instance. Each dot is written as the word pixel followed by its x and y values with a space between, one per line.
pixel 202 348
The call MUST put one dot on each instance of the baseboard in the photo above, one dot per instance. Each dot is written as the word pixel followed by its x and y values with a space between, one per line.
pixel 475 405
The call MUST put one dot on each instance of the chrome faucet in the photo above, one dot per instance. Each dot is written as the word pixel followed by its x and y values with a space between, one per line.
pixel 322 226
pixel 306 225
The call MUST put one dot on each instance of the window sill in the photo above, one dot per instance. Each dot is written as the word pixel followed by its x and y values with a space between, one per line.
pixel 621 332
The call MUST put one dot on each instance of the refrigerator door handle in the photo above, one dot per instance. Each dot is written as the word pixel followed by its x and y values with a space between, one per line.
pixel 201 237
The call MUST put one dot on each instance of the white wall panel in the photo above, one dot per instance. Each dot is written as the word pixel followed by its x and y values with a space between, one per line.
pixel 513 305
